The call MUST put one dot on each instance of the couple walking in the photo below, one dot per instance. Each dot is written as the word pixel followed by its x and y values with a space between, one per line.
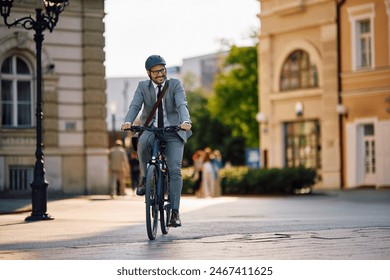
pixel 207 164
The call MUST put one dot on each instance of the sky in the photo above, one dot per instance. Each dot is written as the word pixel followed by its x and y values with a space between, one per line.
pixel 174 29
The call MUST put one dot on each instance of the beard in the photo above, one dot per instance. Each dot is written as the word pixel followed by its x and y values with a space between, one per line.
pixel 159 80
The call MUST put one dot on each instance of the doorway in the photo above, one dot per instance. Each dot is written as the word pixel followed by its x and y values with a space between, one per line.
pixel 368 154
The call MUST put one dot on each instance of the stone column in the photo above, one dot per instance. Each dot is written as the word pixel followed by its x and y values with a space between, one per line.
pixel 94 97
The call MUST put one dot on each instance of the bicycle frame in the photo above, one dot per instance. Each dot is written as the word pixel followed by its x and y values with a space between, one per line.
pixel 157 197
pixel 159 161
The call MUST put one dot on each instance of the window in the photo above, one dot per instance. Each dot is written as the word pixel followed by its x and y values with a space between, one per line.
pixel 361 19
pixel 16 93
pixel 298 72
pixel 20 178
pixel 302 142
pixel 364 55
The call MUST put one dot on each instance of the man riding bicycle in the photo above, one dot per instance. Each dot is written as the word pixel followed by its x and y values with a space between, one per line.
pixel 174 112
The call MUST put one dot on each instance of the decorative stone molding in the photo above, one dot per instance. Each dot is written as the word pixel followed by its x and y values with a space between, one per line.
pixel 93 75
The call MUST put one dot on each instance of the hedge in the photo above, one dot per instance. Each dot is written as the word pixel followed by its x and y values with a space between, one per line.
pixel 245 181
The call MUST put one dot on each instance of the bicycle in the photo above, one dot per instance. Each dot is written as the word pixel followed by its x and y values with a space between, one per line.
pixel 157 198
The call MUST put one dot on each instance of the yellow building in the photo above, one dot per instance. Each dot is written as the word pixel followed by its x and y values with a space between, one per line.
pixel 308 116
pixel 365 92
pixel 74 100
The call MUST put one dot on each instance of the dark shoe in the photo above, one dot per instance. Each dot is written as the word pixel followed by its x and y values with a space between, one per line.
pixel 175 219
pixel 141 187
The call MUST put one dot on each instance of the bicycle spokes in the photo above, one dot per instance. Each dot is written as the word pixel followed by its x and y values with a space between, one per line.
pixel 151 202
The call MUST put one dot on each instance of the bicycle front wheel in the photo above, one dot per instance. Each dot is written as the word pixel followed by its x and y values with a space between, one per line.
pixel 165 206
pixel 151 201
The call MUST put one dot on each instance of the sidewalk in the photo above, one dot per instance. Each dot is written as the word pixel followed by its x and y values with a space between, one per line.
pixel 20 205
pixel 15 205
pixel 349 225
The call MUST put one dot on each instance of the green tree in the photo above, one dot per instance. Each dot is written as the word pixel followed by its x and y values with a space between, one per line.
pixel 207 131
pixel 234 102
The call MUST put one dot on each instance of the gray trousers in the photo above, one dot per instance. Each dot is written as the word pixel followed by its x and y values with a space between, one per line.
pixel 174 156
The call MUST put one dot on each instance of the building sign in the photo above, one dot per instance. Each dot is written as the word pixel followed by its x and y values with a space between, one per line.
pixel 252 157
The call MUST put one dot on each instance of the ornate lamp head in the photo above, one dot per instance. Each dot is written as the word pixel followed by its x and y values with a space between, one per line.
pixel 54 7
pixel 5 7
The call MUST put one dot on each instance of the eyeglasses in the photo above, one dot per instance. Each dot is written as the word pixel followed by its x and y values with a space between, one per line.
pixel 160 71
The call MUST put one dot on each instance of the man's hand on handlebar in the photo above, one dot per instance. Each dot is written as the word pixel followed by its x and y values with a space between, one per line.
pixel 126 126
pixel 186 126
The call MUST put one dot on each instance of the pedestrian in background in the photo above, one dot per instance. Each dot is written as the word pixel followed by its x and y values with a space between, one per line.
pixel 134 170
pixel 217 166
pixel 197 159
pixel 208 179
pixel 119 168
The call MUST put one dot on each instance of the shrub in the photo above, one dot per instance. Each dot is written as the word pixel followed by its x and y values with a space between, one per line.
pixel 233 180
pixel 242 180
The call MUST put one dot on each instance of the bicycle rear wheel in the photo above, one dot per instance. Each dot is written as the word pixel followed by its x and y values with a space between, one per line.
pixel 151 201
pixel 164 205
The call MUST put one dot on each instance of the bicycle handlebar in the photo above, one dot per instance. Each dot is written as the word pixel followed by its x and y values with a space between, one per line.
pixel 138 128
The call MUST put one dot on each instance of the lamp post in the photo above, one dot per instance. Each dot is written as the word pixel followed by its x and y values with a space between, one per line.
pixel 42 21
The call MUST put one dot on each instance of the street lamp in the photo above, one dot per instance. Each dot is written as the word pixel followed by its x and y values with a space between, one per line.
pixel 41 22
pixel 262 119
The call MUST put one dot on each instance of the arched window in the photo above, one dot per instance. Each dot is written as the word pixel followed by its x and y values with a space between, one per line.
pixel 298 72
pixel 16 93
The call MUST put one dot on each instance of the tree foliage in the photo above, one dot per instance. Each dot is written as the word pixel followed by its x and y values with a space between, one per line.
pixel 225 119
pixel 235 99
pixel 210 132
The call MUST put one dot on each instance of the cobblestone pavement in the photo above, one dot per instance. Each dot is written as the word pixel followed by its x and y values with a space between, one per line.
pixel 350 225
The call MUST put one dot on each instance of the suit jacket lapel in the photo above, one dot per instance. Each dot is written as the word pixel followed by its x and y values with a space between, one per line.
pixel 152 94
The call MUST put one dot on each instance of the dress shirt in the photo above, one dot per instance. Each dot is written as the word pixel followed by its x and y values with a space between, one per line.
pixel 155 123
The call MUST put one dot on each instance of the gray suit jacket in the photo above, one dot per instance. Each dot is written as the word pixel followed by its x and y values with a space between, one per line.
pixel 175 104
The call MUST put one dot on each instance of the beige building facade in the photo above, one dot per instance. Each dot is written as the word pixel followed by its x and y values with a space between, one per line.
pixel 307 114
pixel 74 102
pixel 365 92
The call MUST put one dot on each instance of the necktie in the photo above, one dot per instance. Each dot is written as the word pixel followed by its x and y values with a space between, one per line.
pixel 160 114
